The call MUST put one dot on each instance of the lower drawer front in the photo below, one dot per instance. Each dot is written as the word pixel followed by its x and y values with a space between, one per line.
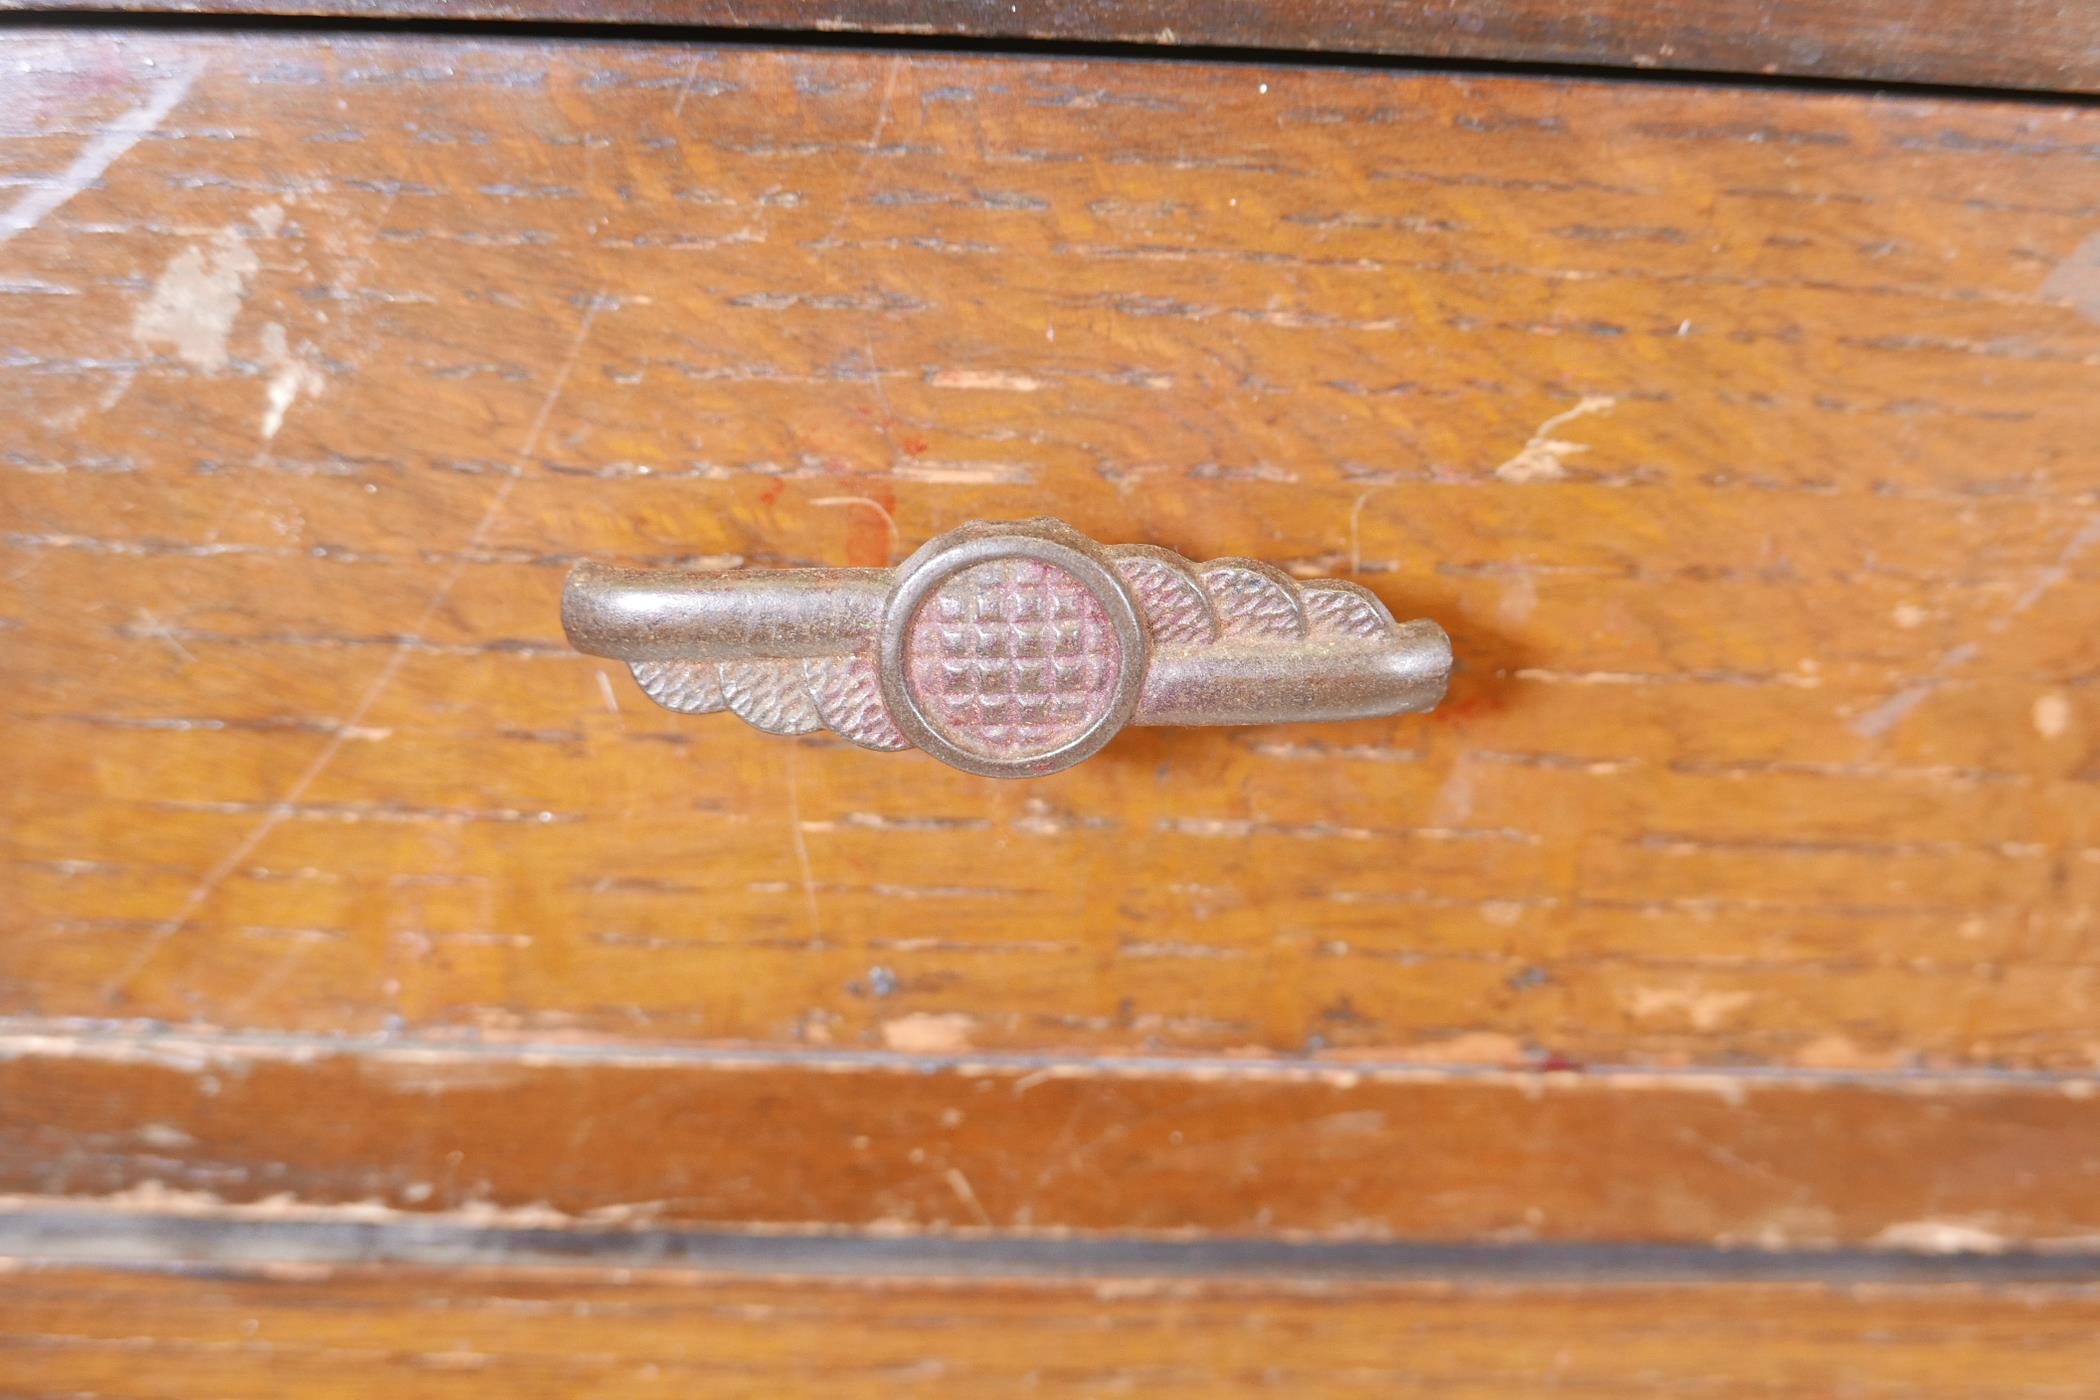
pixel 432 1334
pixel 1741 893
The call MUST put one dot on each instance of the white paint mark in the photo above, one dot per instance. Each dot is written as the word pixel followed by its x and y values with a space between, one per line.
pixel 198 295
pixel 1705 1010
pixel 1909 615
pixel 1519 597
pixel 165 1136
pixel 1465 1048
pixel 605 688
pixel 1543 458
pixel 2052 715
pixel 101 152
pixel 1454 797
pixel 290 377
pixel 964 473
pixel 158 1198
pixel 2076 280
pixel 928 1033
pixel 1835 1051
pixel 1940 1237
pixel 1012 381
pixel 277 812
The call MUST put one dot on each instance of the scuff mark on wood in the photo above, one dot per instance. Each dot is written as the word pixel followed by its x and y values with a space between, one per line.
pixel 1544 457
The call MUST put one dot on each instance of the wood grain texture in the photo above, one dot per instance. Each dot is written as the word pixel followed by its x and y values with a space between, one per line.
pixel 2043 44
pixel 1743 443
pixel 1742 440
pixel 440 1333
pixel 588 1139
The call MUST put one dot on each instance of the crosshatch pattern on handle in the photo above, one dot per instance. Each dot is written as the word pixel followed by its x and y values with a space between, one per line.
pixel 1014 656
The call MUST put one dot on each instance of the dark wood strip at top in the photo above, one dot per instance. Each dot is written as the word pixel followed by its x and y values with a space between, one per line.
pixel 2042 45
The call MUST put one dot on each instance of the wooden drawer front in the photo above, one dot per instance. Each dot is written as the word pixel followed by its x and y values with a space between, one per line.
pixel 432 1334
pixel 1742 439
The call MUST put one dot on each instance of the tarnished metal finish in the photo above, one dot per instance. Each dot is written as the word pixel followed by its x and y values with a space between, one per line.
pixel 734 615
pixel 1009 650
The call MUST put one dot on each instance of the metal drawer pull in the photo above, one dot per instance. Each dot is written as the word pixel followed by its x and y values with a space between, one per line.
pixel 1008 650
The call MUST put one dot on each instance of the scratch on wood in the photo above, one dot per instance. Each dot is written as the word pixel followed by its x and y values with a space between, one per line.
pixel 685 88
pixel 889 522
pixel 867 157
pixel 1638 667
pixel 1891 712
pixel 1356 516
pixel 801 843
pixel 960 1184
pixel 102 151
pixel 278 811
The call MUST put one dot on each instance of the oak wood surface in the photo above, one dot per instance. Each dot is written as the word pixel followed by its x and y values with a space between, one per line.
pixel 433 1333
pixel 1742 439
pixel 2041 44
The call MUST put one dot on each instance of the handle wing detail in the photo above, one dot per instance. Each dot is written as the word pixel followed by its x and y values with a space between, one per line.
pixel 1242 599
pixel 798 695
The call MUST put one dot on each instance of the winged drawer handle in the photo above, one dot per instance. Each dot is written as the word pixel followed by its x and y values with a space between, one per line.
pixel 1008 650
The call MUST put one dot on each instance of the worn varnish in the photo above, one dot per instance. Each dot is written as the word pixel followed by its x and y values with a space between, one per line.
pixel 2043 44
pixel 441 1332
pixel 1741 439
pixel 404 1130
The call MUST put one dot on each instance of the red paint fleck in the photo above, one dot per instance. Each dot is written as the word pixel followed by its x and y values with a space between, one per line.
pixel 772 493
pixel 1474 706
pixel 1554 1063
pixel 915 446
